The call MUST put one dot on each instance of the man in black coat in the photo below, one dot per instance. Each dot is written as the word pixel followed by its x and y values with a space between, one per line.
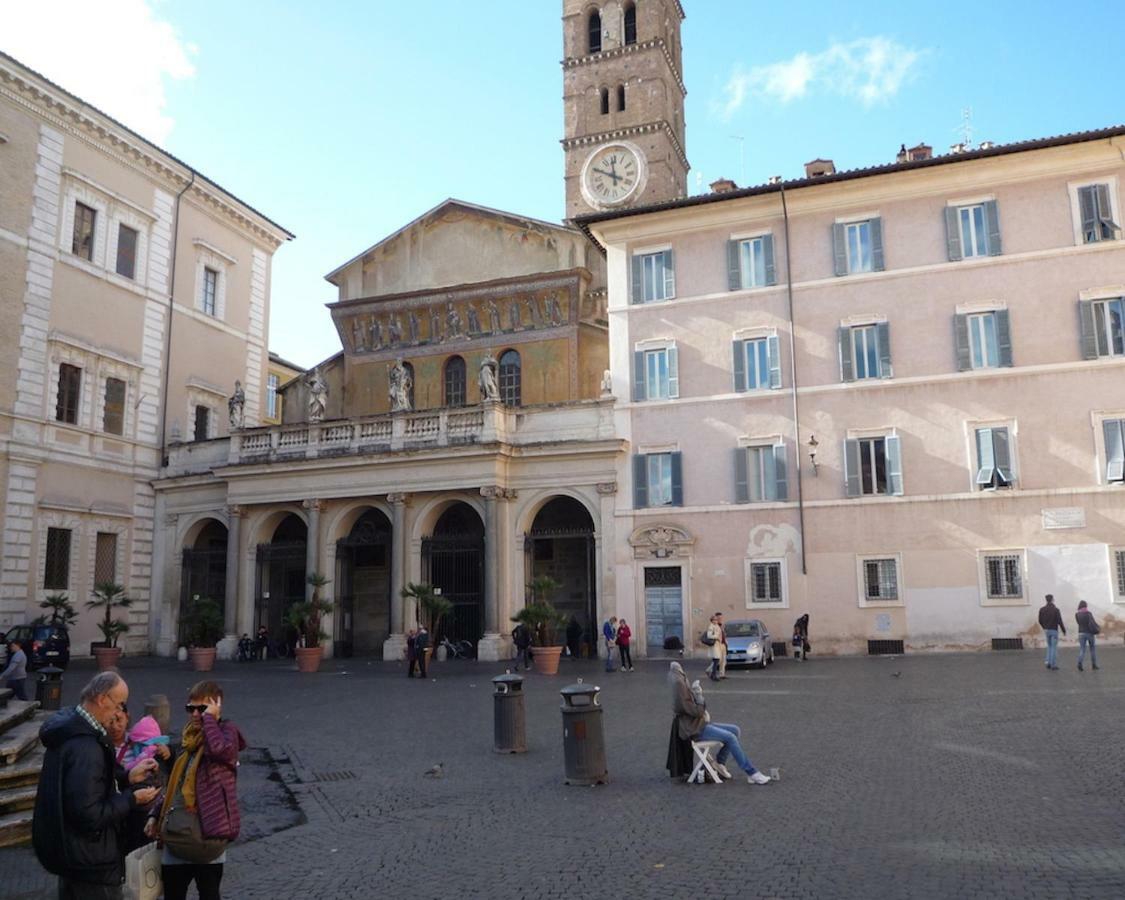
pixel 84 796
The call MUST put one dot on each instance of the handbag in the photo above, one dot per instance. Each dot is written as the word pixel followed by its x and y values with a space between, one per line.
pixel 183 833
pixel 143 873
pixel 707 640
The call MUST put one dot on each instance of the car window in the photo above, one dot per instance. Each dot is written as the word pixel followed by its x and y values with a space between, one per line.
pixel 742 629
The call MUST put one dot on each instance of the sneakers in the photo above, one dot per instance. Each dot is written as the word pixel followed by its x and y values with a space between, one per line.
pixel 623 669
pixel 758 778
pixel 631 669
pixel 723 771
pixel 1080 669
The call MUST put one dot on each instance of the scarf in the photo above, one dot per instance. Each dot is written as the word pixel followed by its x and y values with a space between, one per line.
pixel 185 769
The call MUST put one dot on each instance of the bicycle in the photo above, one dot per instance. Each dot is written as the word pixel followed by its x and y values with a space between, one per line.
pixel 458 649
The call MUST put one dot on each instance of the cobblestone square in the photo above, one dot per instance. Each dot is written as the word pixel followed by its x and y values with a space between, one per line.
pixel 930 776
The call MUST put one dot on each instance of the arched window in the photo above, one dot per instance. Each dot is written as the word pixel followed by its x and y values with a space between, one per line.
pixel 620 97
pixel 510 378
pixel 595 32
pixel 455 381
pixel 605 101
pixel 410 393
pixel 631 24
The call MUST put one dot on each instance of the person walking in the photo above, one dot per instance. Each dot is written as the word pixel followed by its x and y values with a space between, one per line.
pixel 624 633
pixel 1050 620
pixel 84 798
pixel 609 632
pixel 801 638
pixel 521 637
pixel 715 648
pixel 723 646
pixel 421 644
pixel 693 722
pixel 204 778
pixel 14 675
pixel 411 636
pixel 1087 628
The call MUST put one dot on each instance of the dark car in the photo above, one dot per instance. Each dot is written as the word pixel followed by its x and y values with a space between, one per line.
pixel 45 645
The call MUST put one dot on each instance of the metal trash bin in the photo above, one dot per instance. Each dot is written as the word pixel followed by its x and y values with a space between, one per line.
pixel 48 690
pixel 583 738
pixel 509 731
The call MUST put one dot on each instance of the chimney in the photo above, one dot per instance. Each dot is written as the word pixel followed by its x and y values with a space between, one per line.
pixel 901 156
pixel 957 148
pixel 986 145
pixel 818 168
pixel 775 179
pixel 920 151
pixel 723 186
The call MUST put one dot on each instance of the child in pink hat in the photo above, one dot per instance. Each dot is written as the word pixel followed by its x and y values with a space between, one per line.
pixel 145 741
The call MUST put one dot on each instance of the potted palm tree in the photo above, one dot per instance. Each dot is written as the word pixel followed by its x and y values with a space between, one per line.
pixel 430 607
pixel 109 596
pixel 62 611
pixel 202 628
pixel 544 621
pixel 305 617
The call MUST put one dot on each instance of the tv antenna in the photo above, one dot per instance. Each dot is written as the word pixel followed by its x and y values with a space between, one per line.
pixel 965 129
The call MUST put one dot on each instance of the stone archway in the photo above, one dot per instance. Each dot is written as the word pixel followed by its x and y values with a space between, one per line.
pixel 363 585
pixel 203 572
pixel 281 573
pixel 453 560
pixel 560 545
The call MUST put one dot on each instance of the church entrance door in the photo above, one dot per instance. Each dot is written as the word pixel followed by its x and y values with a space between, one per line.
pixel 453 561
pixel 560 545
pixel 363 586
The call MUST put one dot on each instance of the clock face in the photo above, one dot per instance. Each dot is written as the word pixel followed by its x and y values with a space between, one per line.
pixel 612 174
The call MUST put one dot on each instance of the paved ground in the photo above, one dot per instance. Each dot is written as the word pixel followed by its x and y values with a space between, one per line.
pixel 954 776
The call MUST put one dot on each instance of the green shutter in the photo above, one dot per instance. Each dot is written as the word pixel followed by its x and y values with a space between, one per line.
pixel 639 390
pixel 876 225
pixel 1002 454
pixel 640 481
pixel 1088 329
pixel 992 221
pixel 734 265
pixel 893 450
pixel 773 353
pixel 883 336
pixel 1105 212
pixel 961 342
pixel 953 233
pixel 780 473
pixel 853 487
pixel 738 351
pixel 840 248
pixel 1088 211
pixel 677 479
pixel 669 276
pixel 986 457
pixel 844 340
pixel 638 287
pixel 1114 449
pixel 767 252
pixel 741 476
pixel 769 464
pixel 673 372
pixel 1004 337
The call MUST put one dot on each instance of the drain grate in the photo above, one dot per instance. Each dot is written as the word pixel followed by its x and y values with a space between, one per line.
pixel 335 776
pixel 885 648
pixel 1007 643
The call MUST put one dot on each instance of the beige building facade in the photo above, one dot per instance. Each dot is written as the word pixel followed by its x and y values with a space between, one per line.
pixel 134 293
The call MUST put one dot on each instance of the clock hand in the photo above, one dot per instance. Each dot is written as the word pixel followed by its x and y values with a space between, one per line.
pixel 616 178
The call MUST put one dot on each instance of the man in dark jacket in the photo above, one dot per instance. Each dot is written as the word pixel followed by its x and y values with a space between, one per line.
pixel 84 797
pixel 421 643
pixel 1050 620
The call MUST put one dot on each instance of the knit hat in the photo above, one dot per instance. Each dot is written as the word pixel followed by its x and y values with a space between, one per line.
pixel 146 729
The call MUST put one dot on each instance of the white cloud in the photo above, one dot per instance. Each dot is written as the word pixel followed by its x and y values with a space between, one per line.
pixel 114 54
pixel 869 70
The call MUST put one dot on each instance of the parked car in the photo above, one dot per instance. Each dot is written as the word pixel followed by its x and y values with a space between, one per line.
pixel 748 643
pixel 45 645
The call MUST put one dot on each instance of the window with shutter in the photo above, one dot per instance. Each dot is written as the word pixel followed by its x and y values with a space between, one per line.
pixel 659 479
pixel 82 242
pixel 272 384
pixel 1095 207
pixel 984 352
pixel 1109 326
pixel 994 459
pixel 70 394
pixel 754 262
pixel 1114 433
pixel 857 236
pixel 210 290
pixel 113 417
pixel 126 251
pixel 56 560
pixel 865 353
pixel 973 230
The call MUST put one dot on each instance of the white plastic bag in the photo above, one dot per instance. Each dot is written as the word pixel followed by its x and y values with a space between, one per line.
pixel 142 873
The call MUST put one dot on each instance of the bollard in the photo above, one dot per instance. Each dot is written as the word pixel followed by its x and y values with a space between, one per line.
pixel 583 739
pixel 509 732
pixel 157 707
pixel 48 690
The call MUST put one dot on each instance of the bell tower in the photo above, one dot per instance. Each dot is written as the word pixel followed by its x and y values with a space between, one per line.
pixel 623 103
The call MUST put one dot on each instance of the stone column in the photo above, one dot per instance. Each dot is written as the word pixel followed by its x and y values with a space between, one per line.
pixel 494 646
pixel 312 545
pixel 228 647
pixel 605 552
pixel 168 568
pixel 395 644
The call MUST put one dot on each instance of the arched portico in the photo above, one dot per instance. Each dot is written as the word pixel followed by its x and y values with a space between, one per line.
pixel 281 569
pixel 453 561
pixel 203 567
pixel 364 565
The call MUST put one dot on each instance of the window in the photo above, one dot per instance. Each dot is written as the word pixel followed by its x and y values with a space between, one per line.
pixel 653 277
pixel 70 394
pixel 113 417
pixel 983 340
pixel 972 230
pixel 1003 576
pixel 1119 560
pixel 765 583
pixel 858 246
pixel 56 560
pixel 202 422
pixel 1095 208
pixel 1103 327
pixel 510 378
pixel 630 24
pixel 757 364
pixel 658 480
pixel 82 243
pixel 621 98
pixel 760 474
pixel 105 557
pixel 126 251
pixel 605 102
pixel 455 390
pixel 210 290
pixel 656 374
pixel 594 30
pixel 880 580
pixel 272 400
pixel 1114 431
pixel 750 263
pixel 865 351
pixel 873 465
pixel 994 459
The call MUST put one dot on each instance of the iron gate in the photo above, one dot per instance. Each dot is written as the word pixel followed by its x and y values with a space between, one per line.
pixel 455 564
pixel 281 583
pixel 559 552
pixel 204 574
pixel 369 545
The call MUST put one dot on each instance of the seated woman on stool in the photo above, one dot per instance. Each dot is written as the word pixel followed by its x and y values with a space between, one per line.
pixel 693 723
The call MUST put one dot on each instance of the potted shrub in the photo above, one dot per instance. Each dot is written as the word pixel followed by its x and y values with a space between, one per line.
pixel 108 597
pixel 544 621
pixel 202 628
pixel 430 608
pixel 62 611
pixel 305 617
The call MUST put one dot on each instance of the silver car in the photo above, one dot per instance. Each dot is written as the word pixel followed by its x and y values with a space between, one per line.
pixel 748 643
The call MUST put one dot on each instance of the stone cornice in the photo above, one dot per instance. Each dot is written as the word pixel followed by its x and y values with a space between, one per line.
pixel 115 141
pixel 574 62
pixel 602 137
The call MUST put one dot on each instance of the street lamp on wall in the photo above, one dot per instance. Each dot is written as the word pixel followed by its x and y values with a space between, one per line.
pixel 813 444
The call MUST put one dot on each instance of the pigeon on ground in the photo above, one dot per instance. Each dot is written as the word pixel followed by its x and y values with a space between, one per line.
pixel 434 772
pixel 896 674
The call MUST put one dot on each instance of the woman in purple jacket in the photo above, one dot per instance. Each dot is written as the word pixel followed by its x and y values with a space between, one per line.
pixel 204 776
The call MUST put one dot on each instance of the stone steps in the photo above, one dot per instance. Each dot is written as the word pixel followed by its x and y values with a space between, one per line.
pixel 25 770
pixel 15 829
pixel 19 731
pixel 18 799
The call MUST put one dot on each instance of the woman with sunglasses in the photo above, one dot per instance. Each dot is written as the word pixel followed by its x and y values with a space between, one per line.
pixel 203 779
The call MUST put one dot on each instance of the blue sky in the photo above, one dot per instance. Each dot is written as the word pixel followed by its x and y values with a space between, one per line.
pixel 343 121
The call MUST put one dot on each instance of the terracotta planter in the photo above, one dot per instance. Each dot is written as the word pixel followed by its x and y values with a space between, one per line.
pixel 202 658
pixel 546 659
pixel 107 657
pixel 308 658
